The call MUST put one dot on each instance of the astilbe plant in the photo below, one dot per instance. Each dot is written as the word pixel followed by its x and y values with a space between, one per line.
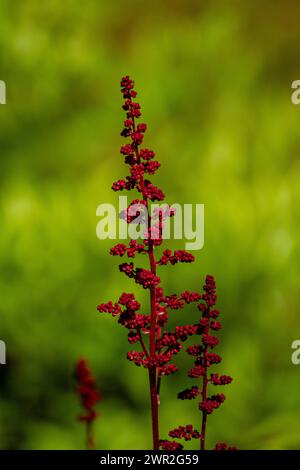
pixel 89 397
pixel 157 343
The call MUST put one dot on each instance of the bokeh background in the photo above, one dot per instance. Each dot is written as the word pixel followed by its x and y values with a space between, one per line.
pixel 214 80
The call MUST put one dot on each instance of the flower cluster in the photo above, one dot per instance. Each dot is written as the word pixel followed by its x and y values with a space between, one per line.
pixel 179 256
pixel 170 445
pixel 185 432
pixel 121 249
pixel 223 446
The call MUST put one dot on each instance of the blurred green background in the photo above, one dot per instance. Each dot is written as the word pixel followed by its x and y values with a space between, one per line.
pixel 214 80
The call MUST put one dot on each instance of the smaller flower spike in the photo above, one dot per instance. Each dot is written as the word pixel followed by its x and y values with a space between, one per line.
pixel 203 360
pixel 89 396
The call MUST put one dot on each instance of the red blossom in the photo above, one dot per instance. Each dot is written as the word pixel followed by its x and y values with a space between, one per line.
pixel 126 149
pixel 223 446
pixel 185 432
pixel 109 307
pixel 147 154
pixel 151 167
pixel 170 445
pixel 197 371
pixel 189 297
pixel 152 192
pixel 167 369
pixel 179 256
pixel 189 394
pixel 220 380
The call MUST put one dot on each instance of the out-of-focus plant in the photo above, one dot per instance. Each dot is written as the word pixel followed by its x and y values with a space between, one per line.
pixel 89 397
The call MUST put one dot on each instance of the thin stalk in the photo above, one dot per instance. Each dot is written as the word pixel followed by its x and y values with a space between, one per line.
pixel 204 413
pixel 90 443
pixel 153 369
pixel 154 407
pixel 143 346
pixel 152 336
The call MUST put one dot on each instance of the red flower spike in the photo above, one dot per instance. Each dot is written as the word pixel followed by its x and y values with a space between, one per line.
pixel 156 346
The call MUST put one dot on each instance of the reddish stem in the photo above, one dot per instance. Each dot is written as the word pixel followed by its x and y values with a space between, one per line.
pixel 154 407
pixel 204 413
pixel 153 369
pixel 90 443
pixel 152 337
pixel 153 303
pixel 143 346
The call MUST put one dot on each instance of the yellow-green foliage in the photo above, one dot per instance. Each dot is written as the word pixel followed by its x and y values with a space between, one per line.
pixel 214 83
